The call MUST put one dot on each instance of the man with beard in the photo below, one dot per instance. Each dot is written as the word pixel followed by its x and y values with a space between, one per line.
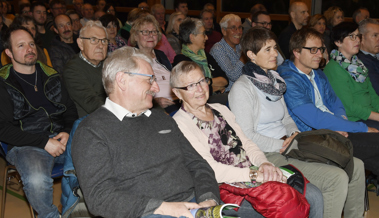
pixel 64 45
pixel 227 52
pixel 40 16
pixel 299 17
pixel 31 93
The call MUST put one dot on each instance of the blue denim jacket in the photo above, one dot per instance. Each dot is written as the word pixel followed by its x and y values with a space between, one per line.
pixel 300 100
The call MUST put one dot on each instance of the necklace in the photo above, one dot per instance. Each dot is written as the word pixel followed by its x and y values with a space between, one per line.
pixel 35 83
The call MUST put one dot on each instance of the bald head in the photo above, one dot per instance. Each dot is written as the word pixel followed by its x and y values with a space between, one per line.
pixel 299 14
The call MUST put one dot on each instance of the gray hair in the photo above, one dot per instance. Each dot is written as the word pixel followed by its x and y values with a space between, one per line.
pixel 156 7
pixel 363 24
pixel 183 68
pixel 187 27
pixel 90 24
pixel 224 21
pixel 121 60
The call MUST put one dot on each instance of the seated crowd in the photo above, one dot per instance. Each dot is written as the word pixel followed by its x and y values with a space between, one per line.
pixel 238 96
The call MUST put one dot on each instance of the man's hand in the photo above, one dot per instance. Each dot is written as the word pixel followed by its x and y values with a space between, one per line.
pixel 270 173
pixel 287 142
pixel 164 102
pixel 176 209
pixel 62 138
pixel 54 147
pixel 344 133
pixel 371 129
pixel 209 203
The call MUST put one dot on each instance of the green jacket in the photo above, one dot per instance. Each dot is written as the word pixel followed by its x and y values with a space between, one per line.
pixel 359 99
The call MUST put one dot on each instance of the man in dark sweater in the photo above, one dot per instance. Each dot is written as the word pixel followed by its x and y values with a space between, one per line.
pixel 135 162
pixel 36 116
pixel 82 74
pixel 64 45
pixel 369 51
pixel 299 17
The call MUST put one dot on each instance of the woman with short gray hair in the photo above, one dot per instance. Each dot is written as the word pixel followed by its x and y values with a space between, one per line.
pixel 192 34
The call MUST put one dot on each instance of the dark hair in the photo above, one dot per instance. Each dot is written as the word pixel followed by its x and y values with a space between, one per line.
pixel 108 18
pixel 107 6
pixel 358 12
pixel 24 5
pixel 7 35
pixel 203 11
pixel 256 8
pixel 300 37
pixel 69 12
pixel 178 2
pixel 98 1
pixel 55 24
pixel 35 4
pixel 187 27
pixel 315 18
pixel 56 2
pixel 20 20
pixel 255 38
pixel 256 15
pixel 340 31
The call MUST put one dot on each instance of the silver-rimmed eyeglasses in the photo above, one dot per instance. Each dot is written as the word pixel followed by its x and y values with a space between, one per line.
pixel 193 86
pixel 152 77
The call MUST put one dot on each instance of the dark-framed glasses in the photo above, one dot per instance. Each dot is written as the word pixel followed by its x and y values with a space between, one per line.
pixel 148 32
pixel 192 86
pixel 234 28
pixel 152 77
pixel 264 24
pixel 95 41
pixel 314 50
pixel 353 37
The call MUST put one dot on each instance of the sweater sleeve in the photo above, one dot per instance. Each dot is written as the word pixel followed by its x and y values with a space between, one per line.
pixel 244 104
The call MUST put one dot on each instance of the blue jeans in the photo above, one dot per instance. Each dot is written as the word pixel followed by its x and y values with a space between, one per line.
pixel 313 196
pixel 35 166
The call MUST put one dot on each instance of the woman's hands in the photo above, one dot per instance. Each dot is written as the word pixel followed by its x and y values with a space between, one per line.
pixel 287 142
pixel 267 172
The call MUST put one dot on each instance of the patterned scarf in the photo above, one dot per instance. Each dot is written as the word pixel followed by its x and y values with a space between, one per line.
pixel 198 58
pixel 355 67
pixel 270 83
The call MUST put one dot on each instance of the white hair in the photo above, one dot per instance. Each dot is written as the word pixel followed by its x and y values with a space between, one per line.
pixel 224 21
pixel 90 24
pixel 121 60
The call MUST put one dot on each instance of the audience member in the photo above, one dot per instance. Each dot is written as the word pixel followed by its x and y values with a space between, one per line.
pixel 109 21
pixel 159 12
pixel 172 32
pixel 63 46
pixel 181 6
pixel 3 29
pixel 318 22
pixel 143 6
pixel 29 24
pixel 57 7
pixel 193 37
pixel 100 4
pixel 334 16
pixel 369 52
pixel 87 12
pixel 257 101
pixel 75 19
pixel 227 52
pixel 211 8
pixel 360 14
pixel 169 172
pixel 212 35
pixel 133 15
pixel 40 17
pixel 145 35
pixel 32 93
pixel 299 17
pixel 110 9
pixel 82 74
pixel 98 14
pixel 349 76
pixel 25 9
pixel 3 13
pixel 248 21
pixel 7 13
pixel 78 4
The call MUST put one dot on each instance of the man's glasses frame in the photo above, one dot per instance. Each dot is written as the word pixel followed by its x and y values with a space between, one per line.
pixel 152 77
pixel 95 41
pixel 314 50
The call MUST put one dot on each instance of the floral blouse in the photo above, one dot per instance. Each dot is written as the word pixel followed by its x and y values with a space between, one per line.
pixel 120 43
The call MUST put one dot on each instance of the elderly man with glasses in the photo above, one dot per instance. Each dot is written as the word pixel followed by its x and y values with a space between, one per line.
pixel 82 74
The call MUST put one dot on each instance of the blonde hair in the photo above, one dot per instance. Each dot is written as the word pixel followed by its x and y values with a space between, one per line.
pixel 171 21
pixel 329 14
pixel 143 20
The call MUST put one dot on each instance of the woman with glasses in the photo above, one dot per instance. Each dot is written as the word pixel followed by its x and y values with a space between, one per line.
pixel 109 9
pixel 172 31
pixel 349 76
pixel 193 37
pixel 110 23
pixel 145 35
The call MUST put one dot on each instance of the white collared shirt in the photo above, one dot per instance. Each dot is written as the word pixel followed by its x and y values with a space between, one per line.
pixel 121 112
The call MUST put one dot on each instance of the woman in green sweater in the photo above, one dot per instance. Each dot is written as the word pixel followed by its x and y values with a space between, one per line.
pixel 349 77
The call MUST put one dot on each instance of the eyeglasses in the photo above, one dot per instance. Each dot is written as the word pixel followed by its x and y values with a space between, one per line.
pixel 95 41
pixel 353 37
pixel 148 32
pixel 234 28
pixel 152 77
pixel 314 50
pixel 192 86
pixel 264 24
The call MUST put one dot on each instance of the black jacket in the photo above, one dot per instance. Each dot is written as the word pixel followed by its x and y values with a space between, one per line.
pixel 21 124
pixel 60 53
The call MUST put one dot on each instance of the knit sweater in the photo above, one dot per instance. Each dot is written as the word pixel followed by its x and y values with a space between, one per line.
pixel 84 85
pixel 244 103
pixel 359 99
pixel 128 168
pixel 224 173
